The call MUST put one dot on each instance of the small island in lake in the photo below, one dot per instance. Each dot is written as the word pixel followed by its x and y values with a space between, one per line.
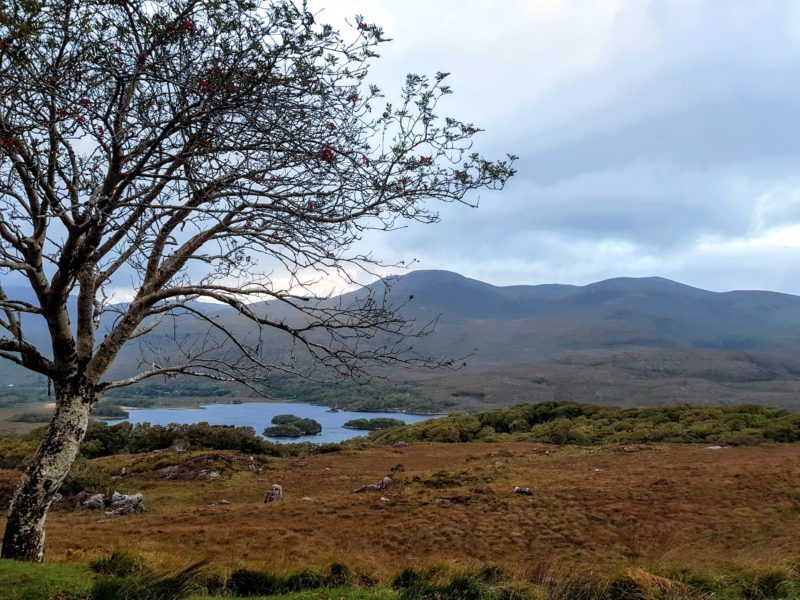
pixel 292 426
pixel 373 424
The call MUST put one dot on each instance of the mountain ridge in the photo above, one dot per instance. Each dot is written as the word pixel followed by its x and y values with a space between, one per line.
pixel 678 342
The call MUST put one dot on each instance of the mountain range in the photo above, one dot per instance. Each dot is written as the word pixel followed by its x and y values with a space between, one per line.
pixel 623 340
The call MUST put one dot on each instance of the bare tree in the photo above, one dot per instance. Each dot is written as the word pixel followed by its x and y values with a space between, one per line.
pixel 200 150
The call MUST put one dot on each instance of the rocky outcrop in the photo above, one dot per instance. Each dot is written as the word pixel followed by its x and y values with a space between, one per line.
pixel 117 504
pixel 384 483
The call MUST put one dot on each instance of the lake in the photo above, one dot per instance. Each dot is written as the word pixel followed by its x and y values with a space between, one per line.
pixel 259 414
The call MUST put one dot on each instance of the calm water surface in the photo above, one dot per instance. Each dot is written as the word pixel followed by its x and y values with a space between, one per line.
pixel 259 414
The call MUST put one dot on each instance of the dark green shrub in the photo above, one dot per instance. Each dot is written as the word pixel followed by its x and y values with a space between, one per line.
pixel 337 576
pixel 284 419
pixel 150 586
pixel 283 431
pixel 117 564
pixel 250 582
pixel 305 580
pixel 373 424
pixel 31 417
pixel 292 426
pixel 406 579
pixel 85 477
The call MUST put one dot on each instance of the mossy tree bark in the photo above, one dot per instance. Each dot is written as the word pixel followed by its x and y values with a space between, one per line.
pixel 24 535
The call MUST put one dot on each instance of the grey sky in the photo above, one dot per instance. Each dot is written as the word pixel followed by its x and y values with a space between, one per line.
pixel 656 137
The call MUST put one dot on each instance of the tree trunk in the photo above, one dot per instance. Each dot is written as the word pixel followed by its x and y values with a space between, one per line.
pixel 24 536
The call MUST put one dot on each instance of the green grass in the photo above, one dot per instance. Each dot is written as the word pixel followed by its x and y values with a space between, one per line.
pixel 30 581
pixel 326 594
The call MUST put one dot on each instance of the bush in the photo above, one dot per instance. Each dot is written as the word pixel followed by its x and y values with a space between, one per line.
pixel 292 426
pixel 17 450
pixel 146 585
pixel 488 583
pixel 118 564
pixel 373 424
pixel 284 419
pixel 83 476
pixel 103 439
pixel 283 431
pixel 252 582
pixel 573 423
pixel 31 417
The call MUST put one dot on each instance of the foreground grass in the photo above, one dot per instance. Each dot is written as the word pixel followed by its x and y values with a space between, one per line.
pixel 123 577
pixel 341 593
pixel 26 581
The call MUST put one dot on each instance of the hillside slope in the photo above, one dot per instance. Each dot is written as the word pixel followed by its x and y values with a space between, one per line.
pixel 624 340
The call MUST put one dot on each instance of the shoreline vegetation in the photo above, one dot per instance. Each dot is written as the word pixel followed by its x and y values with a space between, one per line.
pixel 558 423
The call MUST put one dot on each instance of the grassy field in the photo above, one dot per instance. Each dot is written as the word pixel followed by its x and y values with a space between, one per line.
pixel 612 506
pixel 722 518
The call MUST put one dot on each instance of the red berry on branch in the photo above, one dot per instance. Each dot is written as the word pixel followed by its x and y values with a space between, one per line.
pixel 426 160
pixel 188 26
pixel 328 155
pixel 331 126
pixel 310 207
pixel 85 102
pixel 363 26
pixel 365 160
pixel 62 112
pixel 204 86
pixel 385 115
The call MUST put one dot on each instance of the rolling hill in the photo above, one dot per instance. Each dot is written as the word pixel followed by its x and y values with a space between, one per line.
pixel 623 340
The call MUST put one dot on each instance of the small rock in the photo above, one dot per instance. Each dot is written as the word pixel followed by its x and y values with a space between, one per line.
pixel 443 502
pixel 224 501
pixel 399 445
pixel 385 499
pixel 596 470
pixel 306 499
pixel 300 464
pixel 497 465
pixel 522 491
pixel 275 494
pixel 713 447
pixel 95 502
pixel 123 471
pixel 384 483
pixel 213 474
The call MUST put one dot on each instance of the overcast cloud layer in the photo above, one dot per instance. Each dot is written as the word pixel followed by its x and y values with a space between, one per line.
pixel 656 138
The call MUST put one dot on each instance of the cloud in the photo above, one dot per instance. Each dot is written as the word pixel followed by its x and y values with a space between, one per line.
pixel 657 138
